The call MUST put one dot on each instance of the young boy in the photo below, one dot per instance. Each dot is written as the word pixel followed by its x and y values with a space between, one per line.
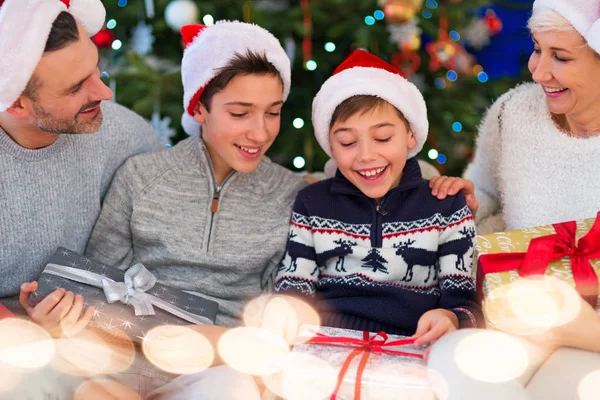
pixel 373 248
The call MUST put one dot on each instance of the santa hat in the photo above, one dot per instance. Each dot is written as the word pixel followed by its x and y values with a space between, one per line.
pixel 24 29
pixel 365 74
pixel 210 48
pixel 584 15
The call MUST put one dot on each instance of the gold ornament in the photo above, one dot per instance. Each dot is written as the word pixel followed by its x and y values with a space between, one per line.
pixel 400 11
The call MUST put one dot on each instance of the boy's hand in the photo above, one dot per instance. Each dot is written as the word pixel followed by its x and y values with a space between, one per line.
pixel 59 313
pixel 442 186
pixel 433 325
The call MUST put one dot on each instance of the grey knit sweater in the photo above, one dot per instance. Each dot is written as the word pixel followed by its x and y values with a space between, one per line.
pixel 158 212
pixel 51 197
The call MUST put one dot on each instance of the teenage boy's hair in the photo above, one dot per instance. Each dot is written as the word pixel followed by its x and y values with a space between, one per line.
pixel 250 63
pixel 64 31
pixel 359 104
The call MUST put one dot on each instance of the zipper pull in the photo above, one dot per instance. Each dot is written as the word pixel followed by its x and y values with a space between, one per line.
pixel 381 210
pixel 214 206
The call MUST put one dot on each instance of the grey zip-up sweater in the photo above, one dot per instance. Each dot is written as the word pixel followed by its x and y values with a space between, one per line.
pixel 159 211
pixel 51 197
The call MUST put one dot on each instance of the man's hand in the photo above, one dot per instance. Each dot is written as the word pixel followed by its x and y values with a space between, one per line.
pixel 59 313
pixel 442 186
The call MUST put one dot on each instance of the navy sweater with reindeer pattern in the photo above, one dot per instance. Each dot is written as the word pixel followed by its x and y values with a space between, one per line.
pixel 374 267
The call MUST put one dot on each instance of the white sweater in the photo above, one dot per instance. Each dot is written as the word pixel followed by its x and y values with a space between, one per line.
pixel 526 171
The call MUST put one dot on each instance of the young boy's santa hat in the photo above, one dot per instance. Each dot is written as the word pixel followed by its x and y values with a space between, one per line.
pixel 365 74
pixel 210 48
pixel 584 15
pixel 24 29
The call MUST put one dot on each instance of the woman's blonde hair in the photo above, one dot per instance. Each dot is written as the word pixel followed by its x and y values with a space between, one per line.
pixel 546 19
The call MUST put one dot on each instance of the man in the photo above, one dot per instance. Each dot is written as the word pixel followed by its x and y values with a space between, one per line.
pixel 60 142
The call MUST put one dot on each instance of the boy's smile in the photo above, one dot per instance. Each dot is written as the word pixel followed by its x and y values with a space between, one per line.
pixel 370 149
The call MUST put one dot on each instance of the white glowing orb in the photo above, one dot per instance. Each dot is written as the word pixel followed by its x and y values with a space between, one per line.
pixel 253 351
pixel 94 352
pixel 24 344
pixel 102 389
pixel 281 315
pixel 178 349
pixel 589 387
pixel 490 356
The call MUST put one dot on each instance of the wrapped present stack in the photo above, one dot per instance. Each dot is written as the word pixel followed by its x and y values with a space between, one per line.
pixel 128 301
pixel 345 364
pixel 511 263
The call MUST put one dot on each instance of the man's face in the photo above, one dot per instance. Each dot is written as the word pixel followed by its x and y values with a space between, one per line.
pixel 67 99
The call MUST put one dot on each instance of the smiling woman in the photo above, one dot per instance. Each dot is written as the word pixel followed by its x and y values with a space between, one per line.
pixel 536 159
pixel 536 163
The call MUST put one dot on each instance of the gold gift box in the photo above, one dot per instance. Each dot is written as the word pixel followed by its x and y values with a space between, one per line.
pixel 523 305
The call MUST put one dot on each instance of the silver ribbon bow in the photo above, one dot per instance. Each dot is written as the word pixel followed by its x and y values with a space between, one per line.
pixel 136 282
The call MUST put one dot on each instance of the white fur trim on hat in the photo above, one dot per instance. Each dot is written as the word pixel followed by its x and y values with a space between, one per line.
pixel 24 29
pixel 582 14
pixel 215 46
pixel 388 86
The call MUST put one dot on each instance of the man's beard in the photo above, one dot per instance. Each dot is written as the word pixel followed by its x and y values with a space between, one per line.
pixel 48 123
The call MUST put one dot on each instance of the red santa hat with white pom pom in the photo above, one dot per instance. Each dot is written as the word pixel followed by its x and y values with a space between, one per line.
pixel 363 73
pixel 210 48
pixel 28 23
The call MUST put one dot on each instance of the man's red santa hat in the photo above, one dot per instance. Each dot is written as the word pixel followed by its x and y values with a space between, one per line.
pixel 24 29
pixel 210 48
pixel 363 73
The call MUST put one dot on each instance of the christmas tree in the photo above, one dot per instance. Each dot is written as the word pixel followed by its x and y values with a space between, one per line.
pixel 375 261
pixel 141 50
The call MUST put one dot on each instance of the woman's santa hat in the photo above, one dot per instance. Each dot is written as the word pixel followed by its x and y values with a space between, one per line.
pixel 584 15
pixel 211 48
pixel 365 74
pixel 24 28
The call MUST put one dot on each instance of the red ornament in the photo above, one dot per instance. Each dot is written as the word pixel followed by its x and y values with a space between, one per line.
pixel 492 21
pixel 407 62
pixel 104 38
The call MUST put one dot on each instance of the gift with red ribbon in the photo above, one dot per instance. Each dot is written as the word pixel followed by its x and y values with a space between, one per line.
pixel 357 356
pixel 551 250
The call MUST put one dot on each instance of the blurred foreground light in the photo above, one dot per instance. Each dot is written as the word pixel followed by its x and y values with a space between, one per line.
pixel 253 351
pixel 589 387
pixel 178 349
pixel 490 356
pixel 531 306
pixel 281 315
pixel 24 344
pixel 94 352
pixel 104 389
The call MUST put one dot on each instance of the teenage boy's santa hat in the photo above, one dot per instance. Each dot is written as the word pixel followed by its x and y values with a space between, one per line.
pixel 584 15
pixel 365 74
pixel 210 48
pixel 24 29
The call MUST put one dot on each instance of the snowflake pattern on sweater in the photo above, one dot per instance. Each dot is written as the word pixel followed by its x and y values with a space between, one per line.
pixel 384 265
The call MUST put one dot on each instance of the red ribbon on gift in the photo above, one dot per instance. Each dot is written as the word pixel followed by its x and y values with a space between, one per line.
pixel 364 347
pixel 546 249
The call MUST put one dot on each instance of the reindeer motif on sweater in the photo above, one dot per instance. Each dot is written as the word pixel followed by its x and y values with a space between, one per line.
pixel 353 259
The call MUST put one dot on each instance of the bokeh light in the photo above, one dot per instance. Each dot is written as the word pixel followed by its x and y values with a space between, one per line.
pixel 253 351
pixel 94 352
pixel 589 387
pixel 24 344
pixel 103 389
pixel 178 349
pixel 281 315
pixel 490 356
